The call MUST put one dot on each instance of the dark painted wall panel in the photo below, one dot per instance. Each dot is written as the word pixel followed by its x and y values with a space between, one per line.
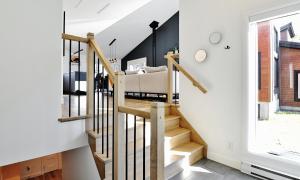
pixel 167 39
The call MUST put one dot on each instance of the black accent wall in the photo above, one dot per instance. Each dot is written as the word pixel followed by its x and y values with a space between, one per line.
pixel 167 39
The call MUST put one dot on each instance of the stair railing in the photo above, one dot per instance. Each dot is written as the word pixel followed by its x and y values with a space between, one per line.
pixel 174 65
pixel 156 117
pixel 119 115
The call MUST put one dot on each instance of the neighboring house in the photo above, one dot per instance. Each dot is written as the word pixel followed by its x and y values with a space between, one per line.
pixel 289 70
pixel 268 53
pixel 278 69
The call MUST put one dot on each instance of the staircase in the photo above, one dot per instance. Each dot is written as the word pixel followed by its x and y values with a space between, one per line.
pixel 137 139
pixel 183 146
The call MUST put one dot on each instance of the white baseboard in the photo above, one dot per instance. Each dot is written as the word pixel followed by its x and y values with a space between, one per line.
pixel 224 160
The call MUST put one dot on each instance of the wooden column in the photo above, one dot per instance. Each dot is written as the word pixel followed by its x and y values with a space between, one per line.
pixel 157 159
pixel 119 127
pixel 170 79
pixel 90 84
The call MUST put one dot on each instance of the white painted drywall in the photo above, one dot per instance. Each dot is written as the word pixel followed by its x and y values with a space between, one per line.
pixel 30 77
pixel 218 115
pixel 79 164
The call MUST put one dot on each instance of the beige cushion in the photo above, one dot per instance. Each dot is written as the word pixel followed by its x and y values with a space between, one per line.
pixel 155 69
pixel 156 82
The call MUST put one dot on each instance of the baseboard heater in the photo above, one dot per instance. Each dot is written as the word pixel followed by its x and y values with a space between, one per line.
pixel 265 173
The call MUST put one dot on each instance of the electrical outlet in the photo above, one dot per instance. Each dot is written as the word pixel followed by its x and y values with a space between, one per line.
pixel 230 146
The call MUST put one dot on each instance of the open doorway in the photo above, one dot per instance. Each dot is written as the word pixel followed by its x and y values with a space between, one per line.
pixel 277 126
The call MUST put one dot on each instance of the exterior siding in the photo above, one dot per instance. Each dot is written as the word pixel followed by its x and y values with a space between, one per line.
pixel 264 39
pixel 288 56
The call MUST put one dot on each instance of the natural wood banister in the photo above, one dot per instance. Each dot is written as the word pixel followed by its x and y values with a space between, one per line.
pixel 103 59
pixel 74 38
pixel 134 111
pixel 184 72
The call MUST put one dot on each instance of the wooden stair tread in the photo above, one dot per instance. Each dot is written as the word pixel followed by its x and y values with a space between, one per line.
pixel 171 117
pixel 176 132
pixel 187 149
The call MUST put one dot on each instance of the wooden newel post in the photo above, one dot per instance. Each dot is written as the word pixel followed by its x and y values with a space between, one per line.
pixel 157 141
pixel 119 127
pixel 90 84
pixel 170 79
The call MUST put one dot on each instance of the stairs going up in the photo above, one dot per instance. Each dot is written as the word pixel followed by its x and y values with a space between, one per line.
pixel 183 145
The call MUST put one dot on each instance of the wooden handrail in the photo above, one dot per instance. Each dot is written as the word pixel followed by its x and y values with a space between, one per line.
pixel 74 38
pixel 134 111
pixel 103 60
pixel 170 58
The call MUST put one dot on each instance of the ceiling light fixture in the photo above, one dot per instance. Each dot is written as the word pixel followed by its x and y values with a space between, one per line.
pixel 78 4
pixel 103 8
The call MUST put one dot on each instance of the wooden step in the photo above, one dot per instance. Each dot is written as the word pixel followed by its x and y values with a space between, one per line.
pixel 192 151
pixel 176 137
pixel 171 122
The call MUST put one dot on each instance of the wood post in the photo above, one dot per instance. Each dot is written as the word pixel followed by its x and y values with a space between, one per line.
pixel 90 84
pixel 119 127
pixel 157 141
pixel 170 80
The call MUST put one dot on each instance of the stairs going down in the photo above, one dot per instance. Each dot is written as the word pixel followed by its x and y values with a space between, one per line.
pixel 183 146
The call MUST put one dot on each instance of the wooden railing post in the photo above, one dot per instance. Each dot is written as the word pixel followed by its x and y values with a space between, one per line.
pixel 157 159
pixel 170 79
pixel 90 84
pixel 119 127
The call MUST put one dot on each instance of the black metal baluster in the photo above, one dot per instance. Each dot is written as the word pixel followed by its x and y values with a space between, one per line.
pixel 107 116
pixel 70 69
pixel 175 85
pixel 126 149
pixel 98 97
pixel 113 130
pixel 102 99
pixel 144 149
pixel 134 149
pixel 79 78
pixel 64 31
pixel 94 99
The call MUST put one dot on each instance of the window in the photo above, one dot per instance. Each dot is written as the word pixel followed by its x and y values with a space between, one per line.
pixel 296 85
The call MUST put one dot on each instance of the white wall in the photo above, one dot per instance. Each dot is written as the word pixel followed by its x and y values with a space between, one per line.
pixel 78 164
pixel 218 115
pixel 30 77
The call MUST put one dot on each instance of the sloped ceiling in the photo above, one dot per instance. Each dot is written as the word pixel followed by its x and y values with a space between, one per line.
pixel 84 16
pixel 127 21
pixel 134 28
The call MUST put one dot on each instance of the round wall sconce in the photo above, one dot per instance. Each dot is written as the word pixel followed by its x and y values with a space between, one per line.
pixel 200 55
pixel 215 38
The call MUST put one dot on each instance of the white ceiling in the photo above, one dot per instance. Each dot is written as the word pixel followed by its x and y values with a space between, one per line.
pixel 134 28
pixel 126 20
pixel 84 16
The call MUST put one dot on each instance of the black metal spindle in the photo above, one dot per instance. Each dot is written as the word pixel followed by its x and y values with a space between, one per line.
pixel 144 149
pixel 64 31
pixel 175 85
pixel 113 130
pixel 79 78
pixel 134 149
pixel 98 97
pixel 70 69
pixel 102 99
pixel 107 116
pixel 126 148
pixel 94 103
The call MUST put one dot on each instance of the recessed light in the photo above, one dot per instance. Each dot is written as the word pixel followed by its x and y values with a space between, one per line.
pixel 103 8
pixel 78 4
